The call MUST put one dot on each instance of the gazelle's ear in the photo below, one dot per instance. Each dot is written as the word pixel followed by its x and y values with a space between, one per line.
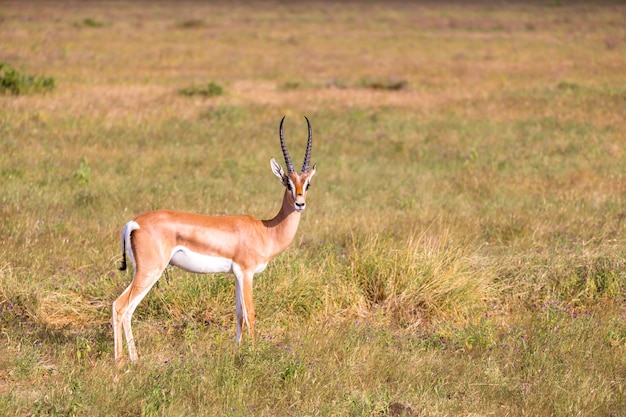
pixel 278 170
pixel 312 171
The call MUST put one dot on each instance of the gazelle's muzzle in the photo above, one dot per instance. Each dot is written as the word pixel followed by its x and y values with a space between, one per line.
pixel 299 204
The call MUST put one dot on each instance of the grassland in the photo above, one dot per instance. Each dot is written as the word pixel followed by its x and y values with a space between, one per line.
pixel 463 249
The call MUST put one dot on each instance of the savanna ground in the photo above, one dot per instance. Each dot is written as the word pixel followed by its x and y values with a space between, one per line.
pixel 462 252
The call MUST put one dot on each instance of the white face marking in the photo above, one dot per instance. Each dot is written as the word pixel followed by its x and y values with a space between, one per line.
pixel 292 188
pixel 195 262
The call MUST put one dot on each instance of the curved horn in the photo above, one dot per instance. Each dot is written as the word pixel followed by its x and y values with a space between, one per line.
pixel 307 154
pixel 284 147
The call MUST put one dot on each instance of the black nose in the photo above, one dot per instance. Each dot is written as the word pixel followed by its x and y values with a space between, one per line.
pixel 300 205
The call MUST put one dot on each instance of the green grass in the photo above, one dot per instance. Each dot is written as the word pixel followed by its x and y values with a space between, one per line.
pixel 462 251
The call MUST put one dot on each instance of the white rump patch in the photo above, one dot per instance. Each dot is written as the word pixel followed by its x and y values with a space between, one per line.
pixel 191 261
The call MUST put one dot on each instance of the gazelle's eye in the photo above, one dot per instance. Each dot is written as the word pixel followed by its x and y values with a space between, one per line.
pixel 307 186
pixel 289 187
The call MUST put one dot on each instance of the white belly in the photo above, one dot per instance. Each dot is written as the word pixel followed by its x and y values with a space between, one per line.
pixel 195 262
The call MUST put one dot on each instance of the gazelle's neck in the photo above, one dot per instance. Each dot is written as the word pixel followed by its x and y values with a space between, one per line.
pixel 283 227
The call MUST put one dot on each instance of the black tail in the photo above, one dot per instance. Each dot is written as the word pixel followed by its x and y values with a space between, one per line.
pixel 123 266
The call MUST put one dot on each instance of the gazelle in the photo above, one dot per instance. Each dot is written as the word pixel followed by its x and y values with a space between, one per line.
pixel 208 244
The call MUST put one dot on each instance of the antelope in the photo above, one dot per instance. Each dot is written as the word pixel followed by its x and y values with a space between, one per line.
pixel 206 244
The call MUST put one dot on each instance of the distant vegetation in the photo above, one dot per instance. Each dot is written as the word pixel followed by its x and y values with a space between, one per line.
pixel 17 82
pixel 384 84
pixel 90 22
pixel 211 89
pixel 191 24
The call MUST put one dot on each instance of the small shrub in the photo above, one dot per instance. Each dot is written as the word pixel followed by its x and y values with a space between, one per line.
pixel 82 175
pixel 91 23
pixel 378 84
pixel 17 82
pixel 568 87
pixel 210 90
pixel 292 85
pixel 191 24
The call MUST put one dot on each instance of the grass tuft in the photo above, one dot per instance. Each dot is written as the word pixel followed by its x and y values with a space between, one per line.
pixel 90 22
pixel 419 281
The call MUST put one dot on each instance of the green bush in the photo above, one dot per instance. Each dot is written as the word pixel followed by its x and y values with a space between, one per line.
pixel 92 23
pixel 210 90
pixel 17 82
pixel 383 84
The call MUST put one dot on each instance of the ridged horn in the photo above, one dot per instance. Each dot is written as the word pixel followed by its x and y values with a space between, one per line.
pixel 307 154
pixel 284 147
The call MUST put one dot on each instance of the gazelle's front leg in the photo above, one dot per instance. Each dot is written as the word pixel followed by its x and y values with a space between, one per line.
pixel 244 302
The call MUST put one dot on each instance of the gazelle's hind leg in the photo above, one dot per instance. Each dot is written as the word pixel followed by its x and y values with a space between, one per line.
pixel 124 307
pixel 117 322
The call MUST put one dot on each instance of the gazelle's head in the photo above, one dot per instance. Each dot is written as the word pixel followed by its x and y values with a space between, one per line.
pixel 297 184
